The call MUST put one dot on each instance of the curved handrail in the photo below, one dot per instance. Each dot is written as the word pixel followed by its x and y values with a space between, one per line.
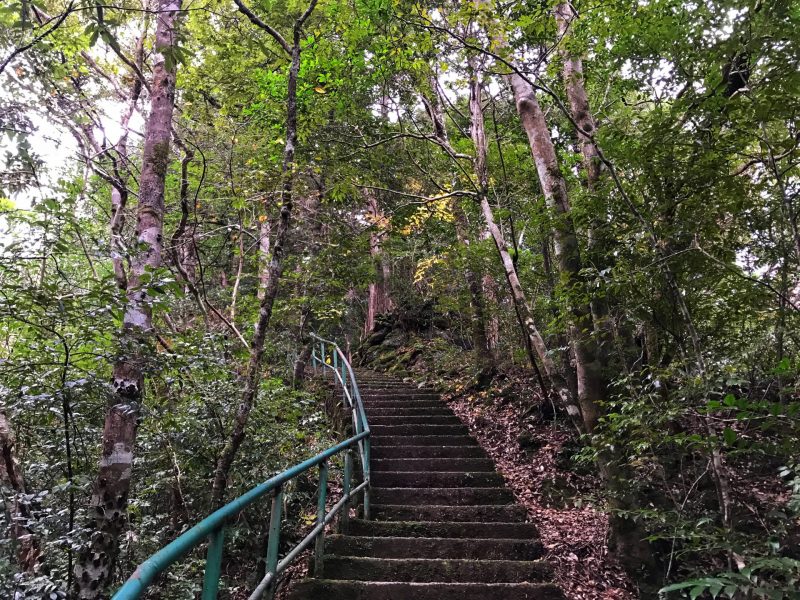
pixel 213 526
pixel 347 380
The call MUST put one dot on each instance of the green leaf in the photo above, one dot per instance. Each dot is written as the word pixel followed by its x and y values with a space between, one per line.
pixel 729 435
pixel 697 590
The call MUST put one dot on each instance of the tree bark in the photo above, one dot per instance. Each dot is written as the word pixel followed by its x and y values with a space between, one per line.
pixel 264 237
pixel 109 501
pixel 17 508
pixel 592 382
pixel 591 359
pixel 379 301
pixel 572 74
pixel 578 99
pixel 300 364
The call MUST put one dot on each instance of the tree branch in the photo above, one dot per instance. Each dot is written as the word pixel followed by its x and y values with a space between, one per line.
pixel 261 24
pixel 59 20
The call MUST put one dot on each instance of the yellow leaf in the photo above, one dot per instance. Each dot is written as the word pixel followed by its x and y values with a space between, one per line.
pixel 320 90
pixel 262 218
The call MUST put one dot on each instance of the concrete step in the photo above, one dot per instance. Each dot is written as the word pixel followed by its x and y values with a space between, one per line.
pixel 317 589
pixel 448 496
pixel 450 419
pixel 423 440
pixel 388 451
pixel 400 396
pixel 432 411
pixel 416 547
pixel 433 570
pixel 369 404
pixel 452 529
pixel 433 479
pixel 374 390
pixel 509 513
pixel 434 465
pixel 388 388
pixel 418 429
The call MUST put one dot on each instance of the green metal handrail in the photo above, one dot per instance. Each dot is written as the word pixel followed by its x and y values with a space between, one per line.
pixel 213 526
pixel 344 377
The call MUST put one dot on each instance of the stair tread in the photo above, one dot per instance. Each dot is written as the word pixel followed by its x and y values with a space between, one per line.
pixel 462 529
pixel 434 570
pixel 433 464
pixel 332 589
pixel 433 547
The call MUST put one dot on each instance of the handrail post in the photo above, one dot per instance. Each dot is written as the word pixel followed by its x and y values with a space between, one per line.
pixel 273 541
pixel 213 564
pixel 344 519
pixel 319 543
pixel 365 466
pixel 344 377
pixel 335 366
pixel 322 358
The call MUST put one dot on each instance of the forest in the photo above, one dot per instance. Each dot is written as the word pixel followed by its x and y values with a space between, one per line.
pixel 568 229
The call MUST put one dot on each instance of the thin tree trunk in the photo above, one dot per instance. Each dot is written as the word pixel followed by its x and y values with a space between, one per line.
pixel 238 279
pixel 264 238
pixel 484 356
pixel 17 509
pixel 108 505
pixel 300 364
pixel 483 352
pixel 253 372
pixel 379 302
pixel 534 341
pixel 489 288
pixel 312 207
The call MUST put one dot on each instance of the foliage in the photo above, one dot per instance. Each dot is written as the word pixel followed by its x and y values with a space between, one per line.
pixel 690 237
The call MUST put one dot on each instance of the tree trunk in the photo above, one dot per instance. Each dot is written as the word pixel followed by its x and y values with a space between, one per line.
pixel 484 355
pixel 489 287
pixel 17 508
pixel 482 350
pixel 591 359
pixel 379 301
pixel 312 205
pixel 108 505
pixel 264 233
pixel 253 373
pixel 572 72
pixel 300 364
pixel 572 75
pixel 592 383
pixel 534 341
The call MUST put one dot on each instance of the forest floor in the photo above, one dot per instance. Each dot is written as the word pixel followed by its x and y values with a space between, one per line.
pixel 531 454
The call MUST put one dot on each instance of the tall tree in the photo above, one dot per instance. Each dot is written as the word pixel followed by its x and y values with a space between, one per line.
pixel 252 375
pixel 379 300
pixel 483 352
pixel 535 344
pixel 108 504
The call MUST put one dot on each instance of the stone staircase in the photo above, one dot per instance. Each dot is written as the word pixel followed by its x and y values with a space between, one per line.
pixel 443 526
